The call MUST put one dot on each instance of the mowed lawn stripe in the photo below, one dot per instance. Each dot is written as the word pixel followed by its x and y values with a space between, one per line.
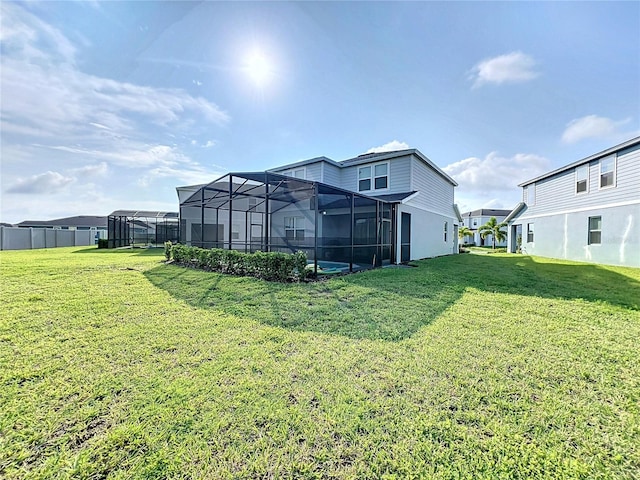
pixel 115 365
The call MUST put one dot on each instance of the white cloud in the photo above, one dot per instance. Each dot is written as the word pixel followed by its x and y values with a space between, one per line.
pixel 593 126
pixel 98 170
pixel 209 144
pixel 492 181
pixel 389 147
pixel 45 183
pixel 514 67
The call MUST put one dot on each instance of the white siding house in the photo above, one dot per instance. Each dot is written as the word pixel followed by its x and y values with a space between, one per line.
pixel 426 218
pixel 587 211
pixel 475 219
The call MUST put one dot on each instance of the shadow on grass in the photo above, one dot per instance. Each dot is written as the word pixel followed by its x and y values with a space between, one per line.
pixel 392 304
pixel 147 252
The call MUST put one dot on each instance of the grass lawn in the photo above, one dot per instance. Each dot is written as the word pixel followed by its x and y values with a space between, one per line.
pixel 114 365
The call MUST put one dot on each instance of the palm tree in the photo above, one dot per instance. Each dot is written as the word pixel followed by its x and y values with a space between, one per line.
pixel 493 228
pixel 464 232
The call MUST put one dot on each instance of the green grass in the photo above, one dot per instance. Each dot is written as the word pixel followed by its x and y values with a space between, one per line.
pixel 114 365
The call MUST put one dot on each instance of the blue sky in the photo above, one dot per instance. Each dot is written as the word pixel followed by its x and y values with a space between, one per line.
pixel 111 105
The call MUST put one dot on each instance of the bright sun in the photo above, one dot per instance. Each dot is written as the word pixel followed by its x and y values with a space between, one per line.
pixel 258 68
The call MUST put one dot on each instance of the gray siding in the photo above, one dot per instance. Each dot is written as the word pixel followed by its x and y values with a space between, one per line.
pixel 332 175
pixel 557 193
pixel 313 172
pixel 399 176
pixel 435 193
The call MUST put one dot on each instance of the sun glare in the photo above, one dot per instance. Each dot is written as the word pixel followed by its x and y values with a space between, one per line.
pixel 258 68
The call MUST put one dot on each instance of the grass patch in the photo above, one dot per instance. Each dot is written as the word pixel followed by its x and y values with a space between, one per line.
pixel 115 365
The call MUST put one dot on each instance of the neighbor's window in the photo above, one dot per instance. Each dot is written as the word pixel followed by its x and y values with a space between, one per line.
pixel 294 228
pixel 608 172
pixel 582 178
pixel 235 231
pixel 595 230
pixel 446 227
pixel 376 176
pixel 529 232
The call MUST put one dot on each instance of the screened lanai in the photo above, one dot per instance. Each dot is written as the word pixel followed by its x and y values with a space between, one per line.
pixel 141 227
pixel 339 230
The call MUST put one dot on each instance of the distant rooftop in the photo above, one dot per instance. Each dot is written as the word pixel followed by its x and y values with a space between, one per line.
pixel 77 221
pixel 487 212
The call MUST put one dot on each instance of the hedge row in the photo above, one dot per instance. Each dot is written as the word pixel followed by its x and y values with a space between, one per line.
pixel 277 266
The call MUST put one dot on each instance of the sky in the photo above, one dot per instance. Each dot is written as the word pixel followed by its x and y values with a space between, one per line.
pixel 111 105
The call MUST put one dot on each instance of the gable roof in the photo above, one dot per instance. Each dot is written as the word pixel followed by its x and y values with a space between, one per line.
pixel 368 158
pixel 609 151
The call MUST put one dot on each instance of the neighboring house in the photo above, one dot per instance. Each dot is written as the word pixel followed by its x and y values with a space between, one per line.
pixel 587 211
pixel 369 210
pixel 475 219
pixel 81 222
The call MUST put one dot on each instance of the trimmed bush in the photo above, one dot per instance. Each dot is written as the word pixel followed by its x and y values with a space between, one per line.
pixel 103 243
pixel 167 250
pixel 276 266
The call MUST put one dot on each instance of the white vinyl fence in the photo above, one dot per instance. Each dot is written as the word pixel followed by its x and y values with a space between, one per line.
pixel 14 238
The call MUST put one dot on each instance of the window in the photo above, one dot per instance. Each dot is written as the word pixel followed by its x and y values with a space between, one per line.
pixel 475 222
pixel 235 231
pixel 364 179
pixel 294 228
pixel 446 227
pixel 376 176
pixel 529 232
pixel 296 173
pixel 608 172
pixel 595 230
pixel 582 178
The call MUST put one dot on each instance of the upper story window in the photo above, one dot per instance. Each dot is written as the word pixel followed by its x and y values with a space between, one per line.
pixel 608 172
pixel 373 177
pixel 296 173
pixel 582 179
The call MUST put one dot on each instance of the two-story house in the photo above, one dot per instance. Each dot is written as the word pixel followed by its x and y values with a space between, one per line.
pixel 587 211
pixel 366 211
pixel 475 219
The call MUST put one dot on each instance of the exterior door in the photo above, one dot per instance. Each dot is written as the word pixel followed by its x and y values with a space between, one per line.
pixel 405 237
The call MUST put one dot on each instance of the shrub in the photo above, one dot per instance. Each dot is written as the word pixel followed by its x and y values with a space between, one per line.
pixel 167 250
pixel 103 243
pixel 276 266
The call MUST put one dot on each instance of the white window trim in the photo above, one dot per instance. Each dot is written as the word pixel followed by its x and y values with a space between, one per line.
pixel 289 173
pixel 615 172
pixel 589 230
pixel 587 179
pixel 533 231
pixel 373 178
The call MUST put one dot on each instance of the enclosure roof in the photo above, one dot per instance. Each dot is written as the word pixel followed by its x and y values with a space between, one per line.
pixel 634 142
pixel 77 221
pixel 143 214
pixel 395 197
